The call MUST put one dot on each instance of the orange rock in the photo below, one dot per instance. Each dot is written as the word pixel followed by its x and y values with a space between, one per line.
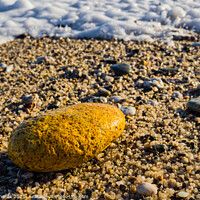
pixel 65 138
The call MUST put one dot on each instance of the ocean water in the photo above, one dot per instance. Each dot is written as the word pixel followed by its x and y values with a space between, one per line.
pixel 104 19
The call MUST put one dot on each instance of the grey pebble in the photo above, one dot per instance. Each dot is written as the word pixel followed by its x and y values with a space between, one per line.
pixel 146 189
pixel 104 92
pixel 45 59
pixel 121 69
pixel 152 102
pixel 28 99
pixel 194 104
pixel 38 197
pixel 116 99
pixel 27 175
pixel 177 95
pixel 128 110
pixel 195 44
pixel 98 100
pixel 157 82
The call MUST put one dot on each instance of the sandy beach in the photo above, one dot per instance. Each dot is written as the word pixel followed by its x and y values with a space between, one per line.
pixel 161 141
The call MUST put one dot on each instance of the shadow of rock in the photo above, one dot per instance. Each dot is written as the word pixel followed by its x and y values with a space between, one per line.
pixel 13 178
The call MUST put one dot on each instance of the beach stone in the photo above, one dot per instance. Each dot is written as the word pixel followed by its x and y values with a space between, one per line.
pixel 128 110
pixel 160 148
pixel 8 68
pixel 196 44
pixel 45 59
pixel 109 79
pixel 177 95
pixel 38 197
pixel 30 98
pixel 104 92
pixel 152 102
pixel 146 189
pixel 157 82
pixel 65 138
pixel 121 69
pixel 194 104
pixel 182 194
pixel 116 99
pixel 98 100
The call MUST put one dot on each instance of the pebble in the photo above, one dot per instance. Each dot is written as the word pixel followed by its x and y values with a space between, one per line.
pixel 146 189
pixel 44 59
pixel 38 197
pixel 157 82
pixel 128 110
pixel 121 69
pixel 152 102
pixel 65 138
pixel 2 65
pixel 98 100
pixel 104 92
pixel 182 194
pixel 194 104
pixel 161 148
pixel 116 99
pixel 109 79
pixel 30 98
pixel 27 175
pixel 177 95
pixel 8 68
pixel 196 44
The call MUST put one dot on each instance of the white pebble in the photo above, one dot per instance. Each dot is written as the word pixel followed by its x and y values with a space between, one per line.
pixel 8 68
pixel 182 194
pixel 146 189
pixel 128 110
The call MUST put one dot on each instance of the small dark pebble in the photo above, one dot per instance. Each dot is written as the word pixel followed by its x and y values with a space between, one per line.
pixel 88 193
pixel 133 52
pixel 121 69
pixel 192 136
pixel 161 148
pixel 184 185
pixel 122 187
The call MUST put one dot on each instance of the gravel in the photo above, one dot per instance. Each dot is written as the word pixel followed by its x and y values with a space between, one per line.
pixel 160 144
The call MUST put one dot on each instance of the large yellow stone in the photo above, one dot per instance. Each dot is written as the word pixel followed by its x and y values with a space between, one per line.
pixel 65 138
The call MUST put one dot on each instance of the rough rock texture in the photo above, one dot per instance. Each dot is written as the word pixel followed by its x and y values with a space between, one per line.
pixel 65 138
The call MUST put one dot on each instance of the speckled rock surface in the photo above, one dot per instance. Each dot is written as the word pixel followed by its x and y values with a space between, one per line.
pixel 65 138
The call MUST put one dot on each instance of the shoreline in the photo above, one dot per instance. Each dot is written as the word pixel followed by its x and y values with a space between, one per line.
pixel 160 144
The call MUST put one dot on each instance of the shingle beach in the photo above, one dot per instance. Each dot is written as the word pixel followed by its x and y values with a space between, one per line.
pixel 161 142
